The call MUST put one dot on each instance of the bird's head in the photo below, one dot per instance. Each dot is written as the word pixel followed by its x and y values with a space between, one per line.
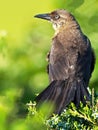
pixel 59 18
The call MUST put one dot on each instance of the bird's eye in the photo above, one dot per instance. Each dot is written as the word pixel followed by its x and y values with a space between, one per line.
pixel 57 17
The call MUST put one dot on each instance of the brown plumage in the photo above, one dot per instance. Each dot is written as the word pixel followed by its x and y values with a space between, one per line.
pixel 71 62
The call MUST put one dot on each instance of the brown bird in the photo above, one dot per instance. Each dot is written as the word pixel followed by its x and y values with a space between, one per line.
pixel 71 62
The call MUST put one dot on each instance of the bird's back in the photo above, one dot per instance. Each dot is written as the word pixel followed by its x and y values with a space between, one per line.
pixel 70 56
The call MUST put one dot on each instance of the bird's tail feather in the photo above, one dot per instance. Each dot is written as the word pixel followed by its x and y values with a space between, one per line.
pixel 61 93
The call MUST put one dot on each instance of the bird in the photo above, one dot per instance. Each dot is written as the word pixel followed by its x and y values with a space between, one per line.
pixel 71 61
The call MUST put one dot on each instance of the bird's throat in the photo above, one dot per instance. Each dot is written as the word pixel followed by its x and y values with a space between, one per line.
pixel 56 28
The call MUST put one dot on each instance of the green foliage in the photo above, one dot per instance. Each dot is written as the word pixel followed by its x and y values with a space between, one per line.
pixel 83 118
pixel 75 119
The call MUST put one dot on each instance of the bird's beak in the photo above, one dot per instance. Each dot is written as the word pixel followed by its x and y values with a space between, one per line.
pixel 43 16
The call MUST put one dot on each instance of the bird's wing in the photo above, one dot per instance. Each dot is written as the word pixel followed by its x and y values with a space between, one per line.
pixel 62 62
pixel 72 62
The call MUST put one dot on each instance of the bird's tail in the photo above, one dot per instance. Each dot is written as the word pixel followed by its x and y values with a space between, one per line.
pixel 61 93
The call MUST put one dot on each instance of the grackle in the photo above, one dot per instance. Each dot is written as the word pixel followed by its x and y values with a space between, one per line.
pixel 71 62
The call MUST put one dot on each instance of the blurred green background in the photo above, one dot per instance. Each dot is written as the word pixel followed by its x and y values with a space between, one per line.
pixel 24 43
